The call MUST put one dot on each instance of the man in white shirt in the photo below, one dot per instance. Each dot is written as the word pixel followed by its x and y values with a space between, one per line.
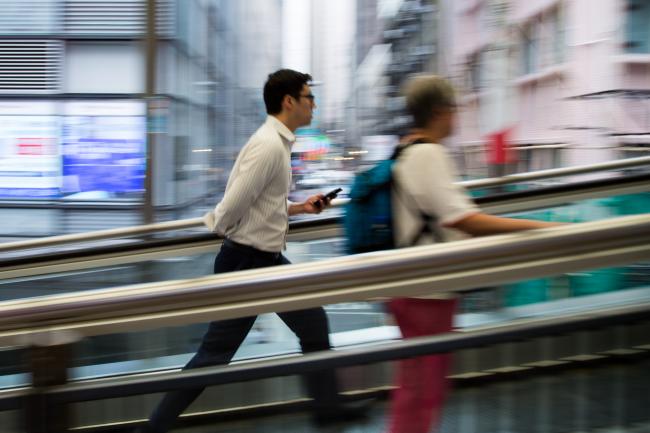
pixel 253 219
pixel 425 179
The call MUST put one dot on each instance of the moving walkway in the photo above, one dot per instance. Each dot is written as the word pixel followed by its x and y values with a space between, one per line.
pixel 359 286
pixel 68 317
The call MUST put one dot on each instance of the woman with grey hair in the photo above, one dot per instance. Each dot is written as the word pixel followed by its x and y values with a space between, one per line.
pixel 426 184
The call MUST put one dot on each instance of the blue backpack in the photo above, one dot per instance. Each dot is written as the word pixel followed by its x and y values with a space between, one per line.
pixel 368 219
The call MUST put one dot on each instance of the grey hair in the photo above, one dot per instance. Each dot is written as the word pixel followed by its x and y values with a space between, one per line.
pixel 425 95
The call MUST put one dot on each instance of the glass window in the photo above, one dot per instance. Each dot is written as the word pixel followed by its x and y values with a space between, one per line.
pixel 475 73
pixel 559 36
pixel 530 49
pixel 638 26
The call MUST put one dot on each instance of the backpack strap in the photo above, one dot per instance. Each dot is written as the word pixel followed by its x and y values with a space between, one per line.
pixel 428 221
pixel 400 148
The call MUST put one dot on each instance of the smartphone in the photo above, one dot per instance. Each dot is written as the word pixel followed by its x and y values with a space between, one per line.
pixel 333 193
pixel 329 196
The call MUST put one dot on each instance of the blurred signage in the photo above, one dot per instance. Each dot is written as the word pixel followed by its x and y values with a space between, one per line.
pixel 311 147
pixel 29 154
pixel 104 108
pixel 82 149
pixel 103 148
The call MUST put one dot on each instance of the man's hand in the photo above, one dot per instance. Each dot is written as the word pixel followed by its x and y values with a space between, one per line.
pixel 315 204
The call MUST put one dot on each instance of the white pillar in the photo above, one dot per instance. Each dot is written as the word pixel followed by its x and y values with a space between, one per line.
pixel 296 35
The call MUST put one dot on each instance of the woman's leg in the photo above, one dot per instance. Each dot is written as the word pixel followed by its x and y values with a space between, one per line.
pixel 421 382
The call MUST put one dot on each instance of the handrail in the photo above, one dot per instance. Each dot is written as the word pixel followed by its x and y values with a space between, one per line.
pixel 556 172
pixel 94 256
pixel 102 234
pixel 388 351
pixel 87 390
pixel 407 272
pixel 196 222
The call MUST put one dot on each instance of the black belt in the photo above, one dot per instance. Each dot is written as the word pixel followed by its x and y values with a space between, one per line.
pixel 249 250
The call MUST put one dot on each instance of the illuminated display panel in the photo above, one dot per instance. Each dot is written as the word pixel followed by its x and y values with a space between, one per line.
pixel 29 150
pixel 103 149
pixel 75 149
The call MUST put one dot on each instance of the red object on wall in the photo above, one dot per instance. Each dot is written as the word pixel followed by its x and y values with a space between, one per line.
pixel 498 149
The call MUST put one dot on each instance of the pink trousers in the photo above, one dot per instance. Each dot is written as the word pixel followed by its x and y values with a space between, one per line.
pixel 422 384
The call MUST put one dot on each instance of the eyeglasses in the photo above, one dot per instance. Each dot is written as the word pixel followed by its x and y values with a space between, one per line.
pixel 308 96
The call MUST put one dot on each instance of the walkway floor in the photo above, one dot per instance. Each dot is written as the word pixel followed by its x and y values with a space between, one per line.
pixel 608 399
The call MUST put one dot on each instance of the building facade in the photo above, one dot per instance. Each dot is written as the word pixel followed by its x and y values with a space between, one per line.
pixel 73 106
pixel 563 82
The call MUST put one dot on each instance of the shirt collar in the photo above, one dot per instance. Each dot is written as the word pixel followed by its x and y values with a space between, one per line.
pixel 281 128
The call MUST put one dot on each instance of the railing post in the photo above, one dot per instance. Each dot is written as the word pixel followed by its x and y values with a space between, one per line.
pixel 48 359
pixel 148 216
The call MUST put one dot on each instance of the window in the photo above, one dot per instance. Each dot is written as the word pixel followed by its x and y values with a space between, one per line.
pixel 559 35
pixel 474 73
pixel 637 29
pixel 529 49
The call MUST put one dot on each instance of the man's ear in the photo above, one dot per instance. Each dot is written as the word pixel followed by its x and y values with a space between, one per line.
pixel 287 102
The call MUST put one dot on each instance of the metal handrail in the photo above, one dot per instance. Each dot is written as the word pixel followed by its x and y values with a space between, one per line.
pixel 93 256
pixel 138 384
pixel 196 222
pixel 101 234
pixel 387 351
pixel 80 257
pixel 556 172
pixel 406 272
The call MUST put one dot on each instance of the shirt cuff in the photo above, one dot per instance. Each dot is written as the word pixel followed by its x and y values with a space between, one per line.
pixel 209 221
pixel 454 218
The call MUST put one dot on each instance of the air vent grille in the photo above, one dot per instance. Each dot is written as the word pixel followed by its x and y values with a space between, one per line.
pixel 30 66
pixel 115 17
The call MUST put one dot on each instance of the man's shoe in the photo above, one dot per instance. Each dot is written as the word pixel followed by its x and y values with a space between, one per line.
pixel 343 414
pixel 142 429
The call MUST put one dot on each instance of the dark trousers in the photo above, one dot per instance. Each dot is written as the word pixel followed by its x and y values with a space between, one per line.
pixel 224 337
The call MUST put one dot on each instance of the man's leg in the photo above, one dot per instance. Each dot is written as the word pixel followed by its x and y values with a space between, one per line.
pixel 219 345
pixel 311 328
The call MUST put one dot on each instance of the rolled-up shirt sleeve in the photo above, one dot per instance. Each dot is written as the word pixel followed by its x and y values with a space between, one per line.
pixel 434 188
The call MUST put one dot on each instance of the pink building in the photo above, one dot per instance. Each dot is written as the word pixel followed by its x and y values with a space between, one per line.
pixel 567 81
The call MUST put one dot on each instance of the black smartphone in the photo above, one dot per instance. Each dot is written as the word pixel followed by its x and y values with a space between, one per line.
pixel 330 196
pixel 333 193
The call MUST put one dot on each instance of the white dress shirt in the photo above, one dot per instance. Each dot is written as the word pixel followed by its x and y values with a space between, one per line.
pixel 254 209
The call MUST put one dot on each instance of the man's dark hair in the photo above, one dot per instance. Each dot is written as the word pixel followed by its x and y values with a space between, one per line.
pixel 281 83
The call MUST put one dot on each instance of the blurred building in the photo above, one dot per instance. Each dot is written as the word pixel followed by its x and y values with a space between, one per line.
pixel 562 82
pixel 332 48
pixel 257 31
pixel 405 36
pixel 73 126
pixel 413 32
pixel 368 28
